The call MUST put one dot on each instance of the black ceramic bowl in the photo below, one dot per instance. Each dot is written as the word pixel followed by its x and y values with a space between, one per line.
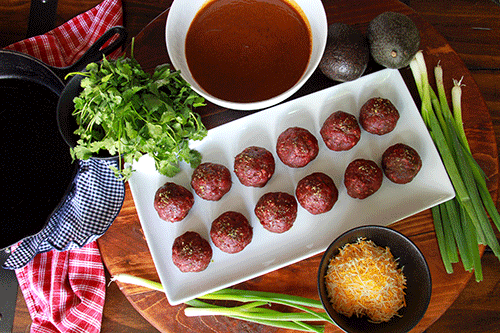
pixel 418 280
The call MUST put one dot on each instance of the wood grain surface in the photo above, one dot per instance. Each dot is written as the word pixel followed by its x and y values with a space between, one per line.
pixel 298 279
pixel 471 29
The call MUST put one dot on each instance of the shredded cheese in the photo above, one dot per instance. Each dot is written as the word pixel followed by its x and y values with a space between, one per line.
pixel 364 279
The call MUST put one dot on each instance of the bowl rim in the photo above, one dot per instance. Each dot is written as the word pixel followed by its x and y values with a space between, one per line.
pixel 333 249
pixel 320 21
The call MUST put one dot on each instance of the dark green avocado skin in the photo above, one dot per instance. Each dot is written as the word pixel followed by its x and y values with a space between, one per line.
pixel 394 39
pixel 346 53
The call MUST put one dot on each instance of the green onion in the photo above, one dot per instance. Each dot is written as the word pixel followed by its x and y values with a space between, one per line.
pixel 130 279
pixel 462 223
pixel 252 309
pixel 456 93
pixel 443 248
pixel 447 212
pixel 458 233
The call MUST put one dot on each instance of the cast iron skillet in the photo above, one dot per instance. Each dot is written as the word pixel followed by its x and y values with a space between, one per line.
pixel 36 169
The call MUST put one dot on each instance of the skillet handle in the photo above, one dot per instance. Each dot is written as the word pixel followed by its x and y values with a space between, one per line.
pixel 95 53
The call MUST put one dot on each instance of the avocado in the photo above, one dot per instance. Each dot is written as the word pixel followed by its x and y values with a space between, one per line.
pixel 346 53
pixel 394 39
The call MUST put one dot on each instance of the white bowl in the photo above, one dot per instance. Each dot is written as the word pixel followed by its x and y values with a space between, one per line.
pixel 182 12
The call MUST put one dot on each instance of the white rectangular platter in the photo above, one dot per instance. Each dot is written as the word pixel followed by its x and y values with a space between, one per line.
pixel 310 234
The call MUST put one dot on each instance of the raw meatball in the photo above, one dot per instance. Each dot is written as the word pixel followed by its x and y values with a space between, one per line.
pixel 362 178
pixel 317 193
pixel 210 181
pixel 191 252
pixel 401 163
pixel 340 131
pixel 378 116
pixel 254 166
pixel 276 211
pixel 296 147
pixel 173 202
pixel 231 232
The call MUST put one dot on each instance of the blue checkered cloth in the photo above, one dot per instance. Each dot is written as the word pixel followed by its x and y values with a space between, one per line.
pixel 91 206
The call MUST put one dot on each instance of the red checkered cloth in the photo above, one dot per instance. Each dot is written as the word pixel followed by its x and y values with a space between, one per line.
pixel 67 43
pixel 65 291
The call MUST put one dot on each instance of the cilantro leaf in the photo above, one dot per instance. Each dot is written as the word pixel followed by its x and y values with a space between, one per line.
pixel 128 112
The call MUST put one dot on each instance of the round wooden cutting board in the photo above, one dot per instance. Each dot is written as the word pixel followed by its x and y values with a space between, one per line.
pixel 124 248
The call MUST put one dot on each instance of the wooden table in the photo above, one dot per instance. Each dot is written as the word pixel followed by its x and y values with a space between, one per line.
pixel 473 31
pixel 124 248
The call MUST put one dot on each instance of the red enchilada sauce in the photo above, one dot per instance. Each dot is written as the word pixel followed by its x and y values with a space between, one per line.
pixel 248 50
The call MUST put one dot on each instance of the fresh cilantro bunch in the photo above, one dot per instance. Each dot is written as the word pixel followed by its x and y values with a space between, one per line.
pixel 126 111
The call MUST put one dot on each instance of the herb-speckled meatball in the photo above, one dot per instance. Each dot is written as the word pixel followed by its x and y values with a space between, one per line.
pixel 340 131
pixel 191 252
pixel 401 163
pixel 210 181
pixel 378 116
pixel 317 193
pixel 254 166
pixel 276 211
pixel 296 147
pixel 362 178
pixel 172 202
pixel 231 232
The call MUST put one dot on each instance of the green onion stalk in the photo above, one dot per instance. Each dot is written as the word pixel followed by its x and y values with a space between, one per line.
pixel 255 307
pixel 463 223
